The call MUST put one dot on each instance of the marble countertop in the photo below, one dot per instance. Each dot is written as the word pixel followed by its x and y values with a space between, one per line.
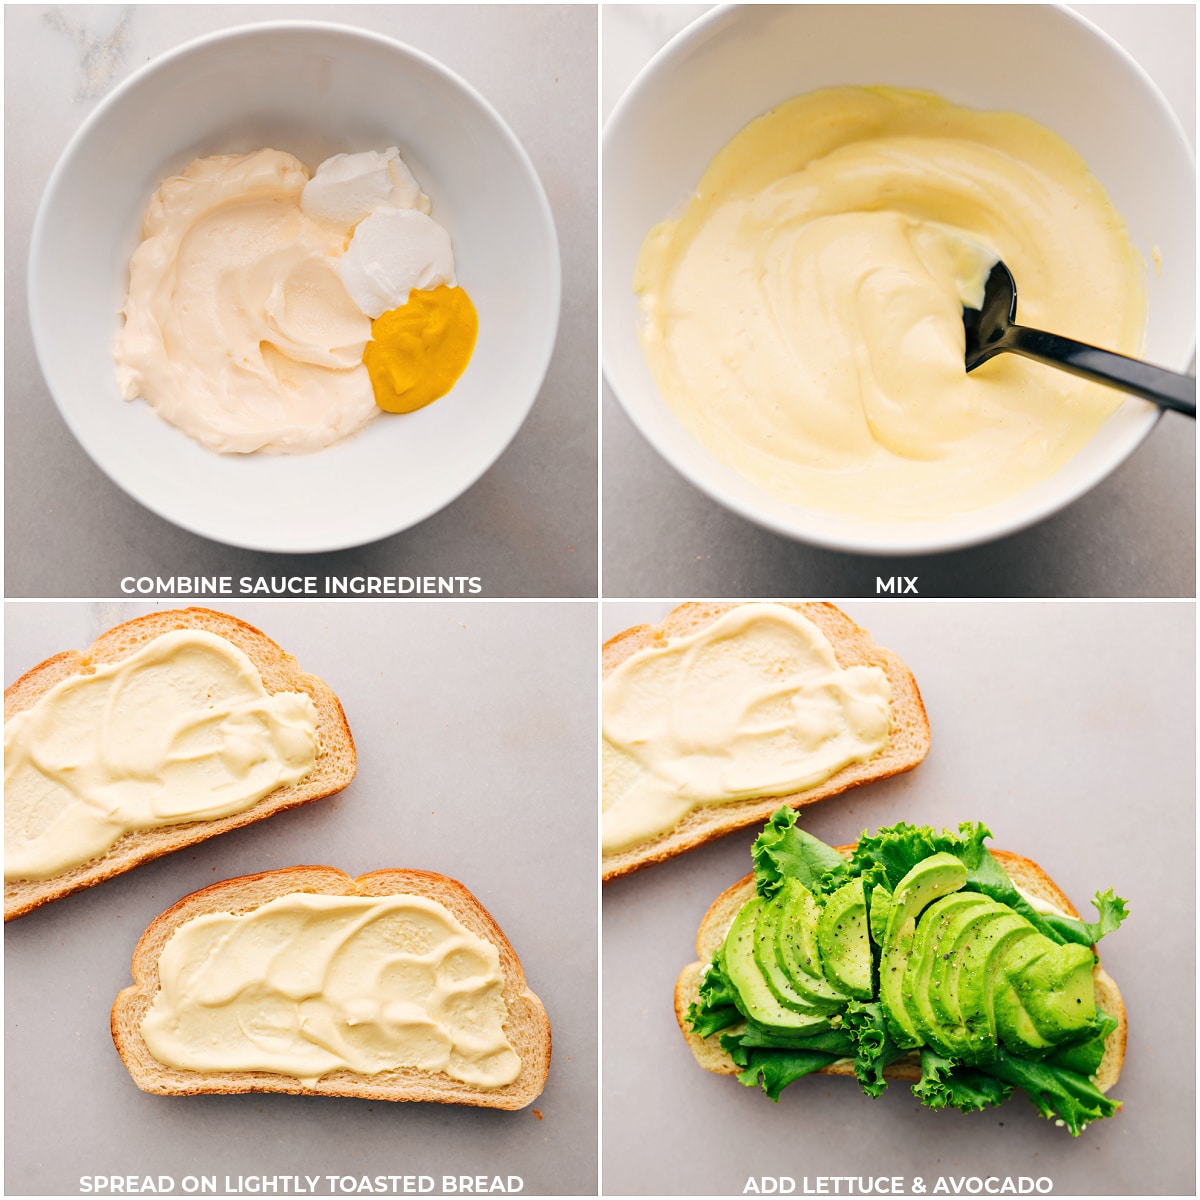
pixel 1134 535
pixel 528 527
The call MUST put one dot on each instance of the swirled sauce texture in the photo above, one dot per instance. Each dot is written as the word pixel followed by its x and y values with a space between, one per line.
pixel 309 983
pixel 754 704
pixel 803 316
pixel 181 730
pixel 238 327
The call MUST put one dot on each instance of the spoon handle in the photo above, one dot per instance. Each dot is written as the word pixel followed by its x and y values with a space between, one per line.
pixel 1103 366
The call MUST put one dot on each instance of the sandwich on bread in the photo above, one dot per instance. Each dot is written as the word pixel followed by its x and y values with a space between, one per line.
pixel 723 711
pixel 915 955
pixel 397 985
pixel 167 730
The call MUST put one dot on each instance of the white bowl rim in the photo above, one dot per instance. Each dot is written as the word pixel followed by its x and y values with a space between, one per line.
pixel 165 61
pixel 922 537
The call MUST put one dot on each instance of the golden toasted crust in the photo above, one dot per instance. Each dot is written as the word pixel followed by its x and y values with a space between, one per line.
pixel 335 766
pixel 1025 873
pixel 907 745
pixel 527 1027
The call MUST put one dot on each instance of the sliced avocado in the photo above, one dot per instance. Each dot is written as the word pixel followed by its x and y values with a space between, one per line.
pixel 947 971
pixel 766 935
pixel 797 951
pixel 881 906
pixel 755 998
pixel 1048 996
pixel 937 931
pixel 930 879
pixel 844 942
pixel 983 971
pixel 1014 1025
pixel 1058 993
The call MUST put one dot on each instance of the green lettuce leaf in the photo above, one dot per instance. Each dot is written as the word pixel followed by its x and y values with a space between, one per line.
pixel 773 1070
pixel 840 1042
pixel 874 1049
pixel 1059 1094
pixel 783 849
pixel 707 1021
pixel 716 1009
pixel 1112 909
pixel 715 988
pixel 947 1084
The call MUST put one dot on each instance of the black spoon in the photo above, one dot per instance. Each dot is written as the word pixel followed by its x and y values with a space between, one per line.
pixel 991 328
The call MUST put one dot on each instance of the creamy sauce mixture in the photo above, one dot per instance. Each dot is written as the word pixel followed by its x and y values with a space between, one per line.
pixel 307 984
pixel 803 316
pixel 181 730
pixel 754 704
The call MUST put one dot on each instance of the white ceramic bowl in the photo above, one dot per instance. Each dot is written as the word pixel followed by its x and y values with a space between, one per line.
pixel 313 90
pixel 1043 61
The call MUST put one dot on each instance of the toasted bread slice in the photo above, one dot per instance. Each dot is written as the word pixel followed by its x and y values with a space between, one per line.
pixel 527 1027
pixel 907 744
pixel 1026 874
pixel 335 765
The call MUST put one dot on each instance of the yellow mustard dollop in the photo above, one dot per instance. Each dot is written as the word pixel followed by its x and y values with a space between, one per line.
pixel 803 314
pixel 418 351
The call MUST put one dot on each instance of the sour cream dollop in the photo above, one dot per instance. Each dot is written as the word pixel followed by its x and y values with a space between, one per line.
pixel 348 188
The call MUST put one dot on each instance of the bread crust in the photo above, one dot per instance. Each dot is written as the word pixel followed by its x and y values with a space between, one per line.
pixel 907 745
pixel 1022 871
pixel 527 1027
pixel 335 765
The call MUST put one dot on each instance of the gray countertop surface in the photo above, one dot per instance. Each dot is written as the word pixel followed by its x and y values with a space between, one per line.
pixel 528 527
pixel 1069 729
pixel 469 764
pixel 1134 535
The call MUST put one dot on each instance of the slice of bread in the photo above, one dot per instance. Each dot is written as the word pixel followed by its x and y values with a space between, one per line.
pixel 335 765
pixel 907 744
pixel 527 1027
pixel 1026 874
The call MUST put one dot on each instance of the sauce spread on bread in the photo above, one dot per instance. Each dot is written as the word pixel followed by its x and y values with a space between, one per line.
pixel 754 704
pixel 181 730
pixel 309 983
pixel 1040 904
